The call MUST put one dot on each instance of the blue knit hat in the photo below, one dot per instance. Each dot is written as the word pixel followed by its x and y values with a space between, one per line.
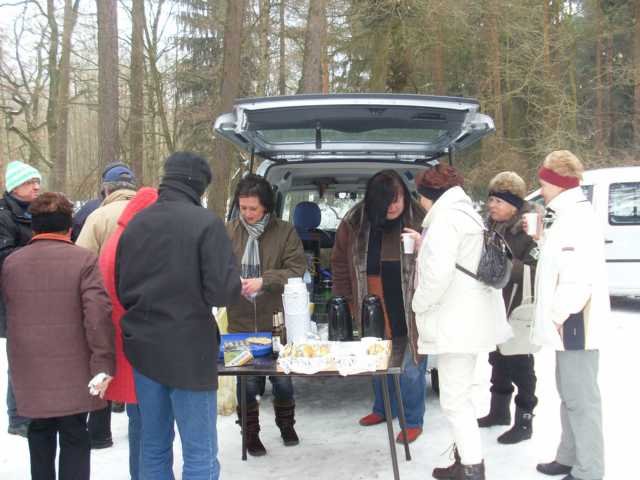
pixel 18 173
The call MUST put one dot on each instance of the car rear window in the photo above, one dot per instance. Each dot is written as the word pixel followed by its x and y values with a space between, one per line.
pixel 308 135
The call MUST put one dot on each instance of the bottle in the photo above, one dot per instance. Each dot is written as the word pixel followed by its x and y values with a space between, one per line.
pixel 283 329
pixel 276 334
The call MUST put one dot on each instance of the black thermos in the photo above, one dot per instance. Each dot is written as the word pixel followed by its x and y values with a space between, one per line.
pixel 372 317
pixel 339 319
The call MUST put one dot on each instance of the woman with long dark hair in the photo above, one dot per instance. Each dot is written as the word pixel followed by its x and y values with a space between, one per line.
pixel 367 259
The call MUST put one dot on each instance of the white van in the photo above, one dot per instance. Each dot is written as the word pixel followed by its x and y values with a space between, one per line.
pixel 615 195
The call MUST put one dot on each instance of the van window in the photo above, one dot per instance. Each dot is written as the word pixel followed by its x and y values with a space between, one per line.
pixel 588 192
pixel 624 203
pixel 333 205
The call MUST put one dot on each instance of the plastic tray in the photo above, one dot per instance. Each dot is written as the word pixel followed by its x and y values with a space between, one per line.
pixel 256 350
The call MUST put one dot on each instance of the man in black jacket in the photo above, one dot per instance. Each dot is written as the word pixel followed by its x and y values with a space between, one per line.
pixel 22 183
pixel 173 264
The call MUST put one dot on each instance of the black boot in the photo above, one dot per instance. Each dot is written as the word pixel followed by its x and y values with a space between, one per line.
pixel 521 430
pixel 471 472
pixel 254 445
pixel 450 472
pixel 285 419
pixel 499 413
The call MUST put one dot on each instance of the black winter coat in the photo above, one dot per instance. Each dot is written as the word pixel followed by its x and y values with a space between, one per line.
pixel 174 263
pixel 525 252
pixel 15 232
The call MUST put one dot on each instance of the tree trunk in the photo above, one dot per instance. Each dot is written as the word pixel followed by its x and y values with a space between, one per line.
pixel 599 113
pixel 282 79
pixel 438 61
pixel 636 72
pixel 59 177
pixel 314 43
pixel 108 108
pixel 52 105
pixel 136 90
pixel 495 68
pixel 223 152
pixel 265 22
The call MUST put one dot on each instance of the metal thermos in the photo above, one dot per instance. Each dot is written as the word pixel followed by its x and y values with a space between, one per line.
pixel 339 319
pixel 372 317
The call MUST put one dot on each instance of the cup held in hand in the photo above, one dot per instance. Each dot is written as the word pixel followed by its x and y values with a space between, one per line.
pixel 532 223
pixel 408 243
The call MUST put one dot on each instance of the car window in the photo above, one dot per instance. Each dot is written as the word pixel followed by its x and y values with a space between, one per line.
pixel 333 205
pixel 293 135
pixel 624 203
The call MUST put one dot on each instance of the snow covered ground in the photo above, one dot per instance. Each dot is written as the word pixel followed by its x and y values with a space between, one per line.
pixel 333 445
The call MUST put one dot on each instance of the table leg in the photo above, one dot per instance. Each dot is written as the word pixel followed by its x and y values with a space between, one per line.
pixel 243 414
pixel 403 422
pixel 387 414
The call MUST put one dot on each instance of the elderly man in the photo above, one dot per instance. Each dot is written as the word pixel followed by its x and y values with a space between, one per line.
pixel 118 187
pixel 174 263
pixel 22 184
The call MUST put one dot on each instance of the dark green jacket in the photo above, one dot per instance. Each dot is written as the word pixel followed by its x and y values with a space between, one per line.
pixel 281 257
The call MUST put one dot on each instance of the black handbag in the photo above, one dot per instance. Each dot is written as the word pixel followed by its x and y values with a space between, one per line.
pixel 496 261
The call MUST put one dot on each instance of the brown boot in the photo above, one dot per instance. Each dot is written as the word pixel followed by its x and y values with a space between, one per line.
pixel 285 413
pixel 450 472
pixel 254 445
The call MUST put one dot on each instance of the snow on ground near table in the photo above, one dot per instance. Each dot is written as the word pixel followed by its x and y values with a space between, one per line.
pixel 333 446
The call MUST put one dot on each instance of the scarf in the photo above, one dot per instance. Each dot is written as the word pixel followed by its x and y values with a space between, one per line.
pixel 250 264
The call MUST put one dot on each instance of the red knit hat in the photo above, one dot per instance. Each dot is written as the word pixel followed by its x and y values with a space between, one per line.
pixel 436 180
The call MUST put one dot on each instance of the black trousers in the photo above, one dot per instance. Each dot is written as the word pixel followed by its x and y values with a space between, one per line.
pixel 75 448
pixel 100 424
pixel 518 370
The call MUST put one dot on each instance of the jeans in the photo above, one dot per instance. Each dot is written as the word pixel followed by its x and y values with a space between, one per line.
pixel 282 388
pixel 413 387
pixel 75 450
pixel 15 420
pixel 195 413
pixel 135 429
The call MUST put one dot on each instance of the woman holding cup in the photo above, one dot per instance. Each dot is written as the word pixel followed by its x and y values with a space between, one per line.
pixel 507 211
pixel 270 252
pixel 368 259
pixel 457 316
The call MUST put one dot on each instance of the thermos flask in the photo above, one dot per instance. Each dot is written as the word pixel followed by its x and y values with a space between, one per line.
pixel 339 319
pixel 372 317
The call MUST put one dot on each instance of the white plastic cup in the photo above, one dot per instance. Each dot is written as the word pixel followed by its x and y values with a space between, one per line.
pixel 532 223
pixel 408 243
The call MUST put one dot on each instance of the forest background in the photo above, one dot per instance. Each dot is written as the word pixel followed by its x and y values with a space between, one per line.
pixel 87 82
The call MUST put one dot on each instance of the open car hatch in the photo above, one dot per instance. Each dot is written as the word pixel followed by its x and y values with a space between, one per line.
pixel 341 126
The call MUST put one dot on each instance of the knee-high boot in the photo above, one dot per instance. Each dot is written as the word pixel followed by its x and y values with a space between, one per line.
pixel 254 445
pixel 285 419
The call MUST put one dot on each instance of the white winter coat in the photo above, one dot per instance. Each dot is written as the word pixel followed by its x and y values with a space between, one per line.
pixel 571 275
pixel 454 312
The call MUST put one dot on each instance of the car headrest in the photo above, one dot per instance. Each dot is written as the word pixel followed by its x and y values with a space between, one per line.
pixel 306 216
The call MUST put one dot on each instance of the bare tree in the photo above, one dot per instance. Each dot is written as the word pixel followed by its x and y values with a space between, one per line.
pixel 223 152
pixel 136 90
pixel 282 79
pixel 59 177
pixel 314 45
pixel 108 97
pixel 265 22
pixel 636 74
